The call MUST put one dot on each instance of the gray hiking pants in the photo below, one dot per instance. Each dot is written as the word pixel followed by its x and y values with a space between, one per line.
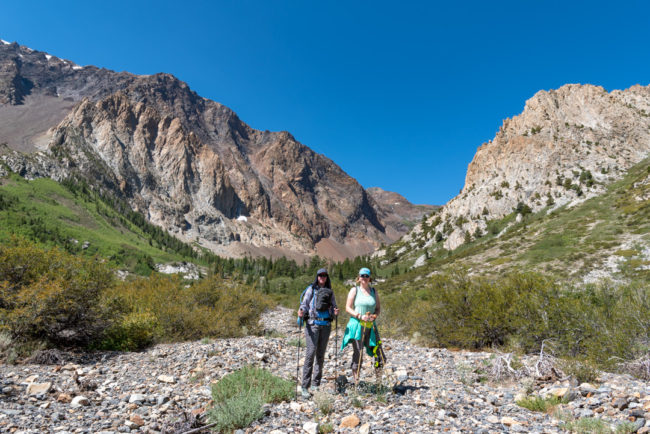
pixel 316 337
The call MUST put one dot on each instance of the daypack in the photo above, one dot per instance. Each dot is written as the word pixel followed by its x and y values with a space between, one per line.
pixel 321 301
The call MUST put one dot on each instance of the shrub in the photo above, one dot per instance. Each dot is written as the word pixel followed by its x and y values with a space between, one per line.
pixel 583 372
pixel 599 325
pixel 213 307
pixel 537 403
pixel 134 332
pixel 52 296
pixel 237 412
pixel 324 402
pixel 239 397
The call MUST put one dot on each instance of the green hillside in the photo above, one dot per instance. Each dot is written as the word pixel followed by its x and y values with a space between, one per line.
pixel 80 221
pixel 605 236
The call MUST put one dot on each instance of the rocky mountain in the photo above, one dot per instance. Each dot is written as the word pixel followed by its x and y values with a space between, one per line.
pixel 395 209
pixel 564 148
pixel 189 164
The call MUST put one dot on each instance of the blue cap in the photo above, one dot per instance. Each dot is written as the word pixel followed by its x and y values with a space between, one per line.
pixel 364 271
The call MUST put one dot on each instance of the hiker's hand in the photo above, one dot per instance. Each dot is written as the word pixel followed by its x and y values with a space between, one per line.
pixel 300 313
pixel 336 311
pixel 372 317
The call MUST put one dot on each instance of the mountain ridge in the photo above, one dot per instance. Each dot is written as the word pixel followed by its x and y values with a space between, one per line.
pixel 292 198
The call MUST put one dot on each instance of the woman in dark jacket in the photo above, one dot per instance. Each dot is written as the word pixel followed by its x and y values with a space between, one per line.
pixel 317 308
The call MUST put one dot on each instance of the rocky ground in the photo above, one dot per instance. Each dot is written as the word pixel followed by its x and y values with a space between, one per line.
pixel 167 388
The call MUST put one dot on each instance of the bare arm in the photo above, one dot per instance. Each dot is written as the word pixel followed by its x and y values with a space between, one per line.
pixel 377 306
pixel 349 304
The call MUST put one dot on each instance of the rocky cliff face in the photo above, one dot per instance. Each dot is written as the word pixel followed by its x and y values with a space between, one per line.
pixel 187 163
pixel 565 146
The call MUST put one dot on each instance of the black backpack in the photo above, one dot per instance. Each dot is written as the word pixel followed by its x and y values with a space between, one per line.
pixel 321 301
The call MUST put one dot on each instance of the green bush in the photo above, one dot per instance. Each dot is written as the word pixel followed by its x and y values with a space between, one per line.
pixel 53 297
pixel 600 324
pixel 537 403
pixel 135 331
pixel 239 397
pixel 213 307
pixel 583 372
pixel 237 412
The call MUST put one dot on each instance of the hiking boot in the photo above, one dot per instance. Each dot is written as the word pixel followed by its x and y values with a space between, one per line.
pixel 314 389
pixel 305 394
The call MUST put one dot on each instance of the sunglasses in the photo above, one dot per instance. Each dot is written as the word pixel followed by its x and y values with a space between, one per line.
pixel 364 276
pixel 322 275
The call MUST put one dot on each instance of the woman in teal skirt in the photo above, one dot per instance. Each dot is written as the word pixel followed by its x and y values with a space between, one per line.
pixel 361 332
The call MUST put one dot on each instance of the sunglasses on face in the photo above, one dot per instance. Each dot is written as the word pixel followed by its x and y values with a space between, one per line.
pixel 322 275
pixel 364 276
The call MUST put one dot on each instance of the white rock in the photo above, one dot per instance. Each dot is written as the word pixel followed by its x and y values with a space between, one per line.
pixel 167 379
pixel 310 427
pixel 79 401
pixel 38 388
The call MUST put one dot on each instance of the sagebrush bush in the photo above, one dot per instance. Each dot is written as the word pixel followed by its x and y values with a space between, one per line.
pixel 134 331
pixel 537 403
pixel 239 396
pixel 52 296
pixel 604 323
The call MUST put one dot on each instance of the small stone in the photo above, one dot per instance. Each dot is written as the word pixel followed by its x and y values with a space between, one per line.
pixel 296 406
pixel 130 425
pixel 492 419
pixel 38 388
pixel 620 403
pixel 585 412
pixel 64 398
pixel 310 427
pixel 79 401
pixel 260 356
pixel 508 421
pixel 364 429
pixel 31 378
pixel 167 379
pixel 137 398
pixel 198 411
pixel 637 412
pixel 401 374
pixel 137 419
pixel 559 392
pixel 349 421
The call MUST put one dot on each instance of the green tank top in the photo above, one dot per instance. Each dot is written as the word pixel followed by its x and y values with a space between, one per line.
pixel 365 303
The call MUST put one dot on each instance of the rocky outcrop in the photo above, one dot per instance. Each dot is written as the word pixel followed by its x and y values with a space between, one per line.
pixel 564 148
pixel 395 209
pixel 187 163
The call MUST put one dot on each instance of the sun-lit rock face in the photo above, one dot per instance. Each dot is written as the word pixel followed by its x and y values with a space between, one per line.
pixel 189 164
pixel 560 150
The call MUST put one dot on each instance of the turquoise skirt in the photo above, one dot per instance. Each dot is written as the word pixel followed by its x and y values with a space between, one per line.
pixel 354 330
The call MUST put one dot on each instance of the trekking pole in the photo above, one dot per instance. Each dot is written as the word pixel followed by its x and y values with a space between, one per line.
pixel 336 353
pixel 298 361
pixel 363 348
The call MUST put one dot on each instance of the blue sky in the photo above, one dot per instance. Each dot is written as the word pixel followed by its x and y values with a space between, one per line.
pixel 399 94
